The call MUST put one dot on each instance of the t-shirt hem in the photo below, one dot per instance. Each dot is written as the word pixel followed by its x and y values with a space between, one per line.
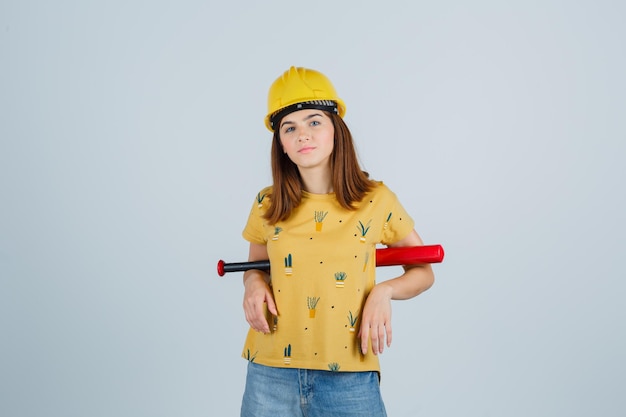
pixel 314 366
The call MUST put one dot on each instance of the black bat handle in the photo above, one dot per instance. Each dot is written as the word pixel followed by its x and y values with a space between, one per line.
pixel 223 267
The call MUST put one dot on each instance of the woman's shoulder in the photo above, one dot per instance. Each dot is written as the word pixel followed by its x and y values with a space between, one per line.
pixel 266 190
pixel 380 188
pixel 381 193
pixel 263 196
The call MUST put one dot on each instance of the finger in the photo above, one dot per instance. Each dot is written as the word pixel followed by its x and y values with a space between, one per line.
pixel 260 325
pixel 381 338
pixel 365 334
pixel 261 321
pixel 389 332
pixel 251 318
pixel 255 316
pixel 375 338
pixel 271 304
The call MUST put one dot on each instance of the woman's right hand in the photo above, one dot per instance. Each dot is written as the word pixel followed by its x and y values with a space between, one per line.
pixel 258 293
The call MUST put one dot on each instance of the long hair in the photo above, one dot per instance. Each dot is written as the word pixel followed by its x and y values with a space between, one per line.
pixel 350 183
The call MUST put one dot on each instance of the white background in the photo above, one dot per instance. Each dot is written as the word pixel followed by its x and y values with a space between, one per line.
pixel 132 146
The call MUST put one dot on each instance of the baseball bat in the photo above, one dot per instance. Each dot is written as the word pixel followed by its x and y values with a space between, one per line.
pixel 407 255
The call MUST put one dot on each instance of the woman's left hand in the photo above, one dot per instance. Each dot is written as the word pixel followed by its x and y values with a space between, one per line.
pixel 376 319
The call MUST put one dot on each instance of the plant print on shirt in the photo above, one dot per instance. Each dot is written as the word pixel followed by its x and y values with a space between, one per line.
pixel 352 319
pixel 367 258
pixel 287 354
pixel 288 265
pixel 319 220
pixel 340 279
pixel 334 367
pixel 250 357
pixel 386 224
pixel 259 199
pixel 311 303
pixel 363 229
pixel 277 231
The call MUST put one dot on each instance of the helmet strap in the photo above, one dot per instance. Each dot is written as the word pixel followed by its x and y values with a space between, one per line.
pixel 326 105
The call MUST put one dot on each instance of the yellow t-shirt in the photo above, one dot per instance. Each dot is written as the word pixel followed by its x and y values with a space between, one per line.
pixel 323 266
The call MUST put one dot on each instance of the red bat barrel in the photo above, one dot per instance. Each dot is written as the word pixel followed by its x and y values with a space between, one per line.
pixel 409 255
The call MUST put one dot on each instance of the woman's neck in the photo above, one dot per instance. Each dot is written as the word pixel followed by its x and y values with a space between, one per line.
pixel 317 182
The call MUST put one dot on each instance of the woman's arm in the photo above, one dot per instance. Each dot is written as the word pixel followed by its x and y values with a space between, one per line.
pixel 257 291
pixel 416 278
pixel 376 317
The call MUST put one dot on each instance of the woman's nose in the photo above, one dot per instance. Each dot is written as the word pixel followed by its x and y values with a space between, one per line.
pixel 303 134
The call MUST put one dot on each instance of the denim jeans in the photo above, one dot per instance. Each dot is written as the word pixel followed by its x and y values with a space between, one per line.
pixel 288 392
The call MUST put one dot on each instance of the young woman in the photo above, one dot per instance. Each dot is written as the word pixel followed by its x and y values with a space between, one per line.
pixel 319 319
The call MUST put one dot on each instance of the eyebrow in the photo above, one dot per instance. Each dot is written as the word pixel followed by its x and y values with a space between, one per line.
pixel 305 119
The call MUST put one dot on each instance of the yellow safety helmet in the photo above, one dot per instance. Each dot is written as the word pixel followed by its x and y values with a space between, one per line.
pixel 298 89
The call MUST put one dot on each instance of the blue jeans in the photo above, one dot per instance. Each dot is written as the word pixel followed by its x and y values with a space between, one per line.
pixel 288 392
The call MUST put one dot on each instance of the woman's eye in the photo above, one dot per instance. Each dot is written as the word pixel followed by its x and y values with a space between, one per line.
pixel 315 123
pixel 288 129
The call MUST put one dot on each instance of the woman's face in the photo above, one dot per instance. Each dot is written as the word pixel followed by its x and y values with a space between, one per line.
pixel 307 137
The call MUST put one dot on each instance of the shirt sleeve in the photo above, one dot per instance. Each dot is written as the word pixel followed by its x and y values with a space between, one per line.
pixel 398 223
pixel 254 231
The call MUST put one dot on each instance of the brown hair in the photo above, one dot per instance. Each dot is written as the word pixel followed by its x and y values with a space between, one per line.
pixel 350 183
